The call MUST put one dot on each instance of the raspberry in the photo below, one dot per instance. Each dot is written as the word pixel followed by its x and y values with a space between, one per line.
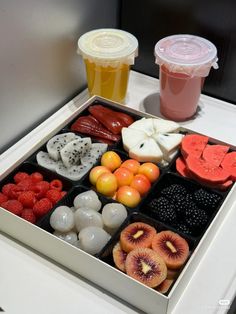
pixel 54 196
pixel 13 206
pixel 3 198
pixel 15 192
pixel 40 189
pixel 42 207
pixel 28 215
pixel 7 188
pixel 27 199
pixel 36 177
pixel 25 185
pixel 19 176
pixel 56 185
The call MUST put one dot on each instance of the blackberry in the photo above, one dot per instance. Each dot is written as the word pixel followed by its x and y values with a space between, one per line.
pixel 165 214
pixel 173 189
pixel 206 200
pixel 162 210
pixel 183 204
pixel 160 202
pixel 181 227
pixel 196 219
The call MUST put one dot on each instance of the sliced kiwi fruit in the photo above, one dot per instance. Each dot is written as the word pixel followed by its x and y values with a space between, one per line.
pixel 136 235
pixel 119 256
pixel 146 266
pixel 172 274
pixel 172 248
pixel 165 285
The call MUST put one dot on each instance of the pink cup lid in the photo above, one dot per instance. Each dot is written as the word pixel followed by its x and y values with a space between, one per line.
pixel 188 54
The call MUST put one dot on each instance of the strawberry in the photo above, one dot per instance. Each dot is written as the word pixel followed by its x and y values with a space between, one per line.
pixel 7 188
pixel 36 177
pixel 19 176
pixel 13 206
pixel 41 207
pixel 27 199
pixel 56 185
pixel 40 189
pixel 28 215
pixel 3 198
pixel 54 196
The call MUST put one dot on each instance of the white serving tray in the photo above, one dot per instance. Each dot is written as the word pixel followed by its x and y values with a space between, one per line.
pixel 88 266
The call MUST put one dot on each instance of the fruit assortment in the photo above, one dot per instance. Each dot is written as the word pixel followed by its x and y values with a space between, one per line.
pixel 70 155
pixel 148 255
pixel 31 196
pixel 152 140
pixel 209 164
pixel 187 210
pixel 103 123
pixel 88 221
pixel 153 257
pixel 126 181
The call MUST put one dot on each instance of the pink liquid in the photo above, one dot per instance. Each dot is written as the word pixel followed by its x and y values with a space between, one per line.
pixel 179 94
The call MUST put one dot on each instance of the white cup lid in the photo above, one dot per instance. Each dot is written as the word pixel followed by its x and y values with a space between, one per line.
pixel 186 54
pixel 107 45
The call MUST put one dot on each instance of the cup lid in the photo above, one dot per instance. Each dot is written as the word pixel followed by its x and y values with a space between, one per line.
pixel 186 52
pixel 108 44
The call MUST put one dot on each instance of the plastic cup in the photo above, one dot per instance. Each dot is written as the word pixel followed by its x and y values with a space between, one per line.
pixel 108 54
pixel 184 62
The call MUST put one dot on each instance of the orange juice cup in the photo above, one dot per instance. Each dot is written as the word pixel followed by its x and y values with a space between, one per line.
pixel 184 62
pixel 108 54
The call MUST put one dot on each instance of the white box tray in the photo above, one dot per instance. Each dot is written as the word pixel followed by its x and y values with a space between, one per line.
pixel 90 267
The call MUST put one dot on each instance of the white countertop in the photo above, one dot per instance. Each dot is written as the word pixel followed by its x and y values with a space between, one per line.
pixel 31 283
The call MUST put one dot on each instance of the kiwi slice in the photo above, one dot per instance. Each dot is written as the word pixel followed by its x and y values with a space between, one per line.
pixel 146 266
pixel 171 247
pixel 165 285
pixel 172 274
pixel 119 256
pixel 136 235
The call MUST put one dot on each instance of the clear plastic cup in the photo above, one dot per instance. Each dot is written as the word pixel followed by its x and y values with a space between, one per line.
pixel 108 54
pixel 184 61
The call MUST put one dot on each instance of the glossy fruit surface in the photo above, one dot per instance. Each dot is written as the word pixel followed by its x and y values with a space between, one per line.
pixel 124 176
pixel 131 164
pixel 141 183
pixel 107 184
pixel 111 160
pixel 128 196
pixel 150 170
pixel 96 172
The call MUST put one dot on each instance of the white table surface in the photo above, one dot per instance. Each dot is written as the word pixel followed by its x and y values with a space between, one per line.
pixel 30 283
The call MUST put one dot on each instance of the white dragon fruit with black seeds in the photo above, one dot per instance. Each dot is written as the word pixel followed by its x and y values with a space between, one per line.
pixel 57 142
pixel 74 173
pixel 74 150
pixel 44 160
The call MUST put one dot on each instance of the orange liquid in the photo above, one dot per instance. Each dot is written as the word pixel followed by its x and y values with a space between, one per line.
pixel 107 81
pixel 179 94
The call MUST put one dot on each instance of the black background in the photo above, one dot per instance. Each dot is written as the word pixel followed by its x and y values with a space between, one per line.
pixel 151 20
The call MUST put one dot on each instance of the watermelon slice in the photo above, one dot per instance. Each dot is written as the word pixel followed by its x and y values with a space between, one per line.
pixel 219 186
pixel 181 167
pixel 229 164
pixel 193 145
pixel 214 154
pixel 205 171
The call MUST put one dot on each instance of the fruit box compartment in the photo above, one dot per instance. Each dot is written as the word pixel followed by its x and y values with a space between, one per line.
pixel 48 175
pixel 68 201
pixel 166 180
pixel 106 254
pixel 91 267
